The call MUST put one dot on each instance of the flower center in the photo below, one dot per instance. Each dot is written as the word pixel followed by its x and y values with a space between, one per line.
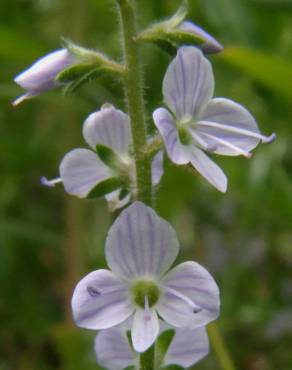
pixel 145 288
pixel 183 132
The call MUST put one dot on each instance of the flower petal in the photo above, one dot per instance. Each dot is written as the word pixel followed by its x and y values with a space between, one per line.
pixel 187 347
pixel 100 301
pixel 145 329
pixel 229 122
pixel 157 168
pixel 81 170
pixel 191 297
pixel 109 127
pixel 140 243
pixel 113 350
pixel 209 45
pixel 114 201
pixel 41 75
pixel 167 128
pixel 188 84
pixel 208 169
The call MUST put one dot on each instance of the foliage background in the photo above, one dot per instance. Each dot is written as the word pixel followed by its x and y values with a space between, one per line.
pixel 48 240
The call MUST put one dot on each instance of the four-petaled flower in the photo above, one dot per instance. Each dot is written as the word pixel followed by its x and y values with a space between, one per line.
pixel 198 121
pixel 140 248
pixel 81 170
pixel 40 77
pixel 187 347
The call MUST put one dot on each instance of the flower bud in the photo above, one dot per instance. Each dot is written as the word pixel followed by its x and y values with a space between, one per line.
pixel 40 77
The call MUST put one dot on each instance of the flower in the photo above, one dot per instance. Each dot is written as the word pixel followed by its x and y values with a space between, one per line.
pixel 197 121
pixel 187 347
pixel 40 77
pixel 140 249
pixel 81 170
pixel 209 43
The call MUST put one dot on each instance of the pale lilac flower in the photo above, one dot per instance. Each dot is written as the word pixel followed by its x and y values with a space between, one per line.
pixel 209 43
pixel 113 350
pixel 40 77
pixel 81 170
pixel 140 249
pixel 197 121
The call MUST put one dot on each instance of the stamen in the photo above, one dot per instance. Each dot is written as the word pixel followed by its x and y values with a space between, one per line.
pixel 194 307
pixel 210 147
pixel 237 130
pixel 147 315
pixel 20 99
pixel 50 183
pixel 229 145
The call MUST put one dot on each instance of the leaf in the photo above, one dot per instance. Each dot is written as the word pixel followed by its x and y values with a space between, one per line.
pixel 107 155
pixel 105 187
pixel 272 72
pixel 162 345
pixel 173 367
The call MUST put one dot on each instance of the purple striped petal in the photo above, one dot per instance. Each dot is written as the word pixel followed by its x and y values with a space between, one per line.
pixel 109 127
pixel 209 45
pixel 226 122
pixel 81 170
pixel 188 84
pixel 165 123
pixel 113 350
pixel 191 297
pixel 188 347
pixel 157 168
pixel 145 329
pixel 208 169
pixel 140 243
pixel 40 77
pixel 100 301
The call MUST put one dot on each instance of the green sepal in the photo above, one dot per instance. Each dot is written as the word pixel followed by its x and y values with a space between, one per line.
pixel 105 187
pixel 173 367
pixel 163 342
pixel 71 87
pixel 123 193
pixel 74 72
pixel 179 15
pixel 107 155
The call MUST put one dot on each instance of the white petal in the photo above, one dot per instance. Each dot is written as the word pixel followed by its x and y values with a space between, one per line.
pixel 209 45
pixel 109 127
pixel 145 329
pixel 167 128
pixel 187 347
pixel 113 350
pixel 191 297
pixel 157 168
pixel 188 84
pixel 114 201
pixel 229 122
pixel 140 243
pixel 81 170
pixel 209 170
pixel 41 75
pixel 100 300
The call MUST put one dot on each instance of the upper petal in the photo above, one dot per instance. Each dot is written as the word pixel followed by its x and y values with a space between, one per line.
pixel 145 329
pixel 208 169
pixel 157 168
pixel 188 346
pixel 41 75
pixel 100 300
pixel 81 170
pixel 109 127
pixel 113 350
pixel 225 122
pixel 188 84
pixel 209 45
pixel 140 243
pixel 166 125
pixel 191 297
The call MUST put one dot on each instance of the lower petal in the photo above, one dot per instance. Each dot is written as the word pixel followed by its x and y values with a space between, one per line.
pixel 145 329
pixel 208 169
pixel 157 168
pixel 100 301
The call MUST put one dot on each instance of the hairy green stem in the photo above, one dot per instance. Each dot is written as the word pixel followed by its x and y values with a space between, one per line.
pixel 220 348
pixel 134 96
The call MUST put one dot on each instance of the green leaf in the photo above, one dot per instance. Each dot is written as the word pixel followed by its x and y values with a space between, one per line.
pixel 271 71
pixel 162 345
pixel 107 155
pixel 74 72
pixel 123 193
pixel 105 187
pixel 173 367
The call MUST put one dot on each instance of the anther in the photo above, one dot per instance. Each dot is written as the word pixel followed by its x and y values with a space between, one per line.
pixel 269 139
pixel 50 183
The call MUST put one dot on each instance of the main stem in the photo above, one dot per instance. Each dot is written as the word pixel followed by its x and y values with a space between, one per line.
pixel 134 96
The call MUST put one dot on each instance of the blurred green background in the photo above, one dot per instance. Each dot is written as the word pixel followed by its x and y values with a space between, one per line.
pixel 49 240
